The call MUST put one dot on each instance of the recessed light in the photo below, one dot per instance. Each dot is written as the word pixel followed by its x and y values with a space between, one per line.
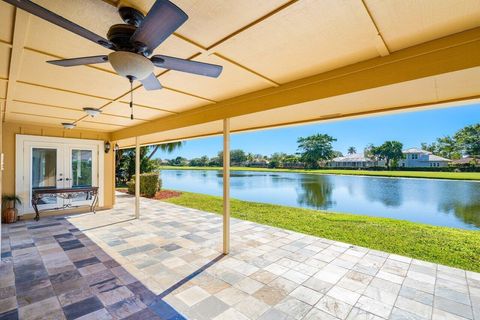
pixel 92 112
pixel 68 125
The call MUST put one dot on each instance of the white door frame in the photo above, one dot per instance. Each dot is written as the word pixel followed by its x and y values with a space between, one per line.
pixel 26 193
pixel 22 187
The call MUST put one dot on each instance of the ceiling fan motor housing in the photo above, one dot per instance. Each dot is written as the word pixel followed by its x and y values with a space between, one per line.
pixel 131 15
pixel 120 34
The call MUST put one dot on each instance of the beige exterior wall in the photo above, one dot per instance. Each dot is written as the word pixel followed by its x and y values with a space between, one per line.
pixel 9 131
pixel 1 204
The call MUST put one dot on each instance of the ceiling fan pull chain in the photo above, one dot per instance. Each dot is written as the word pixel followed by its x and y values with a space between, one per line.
pixel 131 99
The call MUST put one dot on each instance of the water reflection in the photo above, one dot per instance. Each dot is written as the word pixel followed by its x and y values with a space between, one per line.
pixel 315 192
pixel 436 202
pixel 386 191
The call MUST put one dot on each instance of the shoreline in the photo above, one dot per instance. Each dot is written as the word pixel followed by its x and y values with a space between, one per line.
pixel 458 176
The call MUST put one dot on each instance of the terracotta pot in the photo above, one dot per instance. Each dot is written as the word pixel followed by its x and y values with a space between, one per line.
pixel 9 215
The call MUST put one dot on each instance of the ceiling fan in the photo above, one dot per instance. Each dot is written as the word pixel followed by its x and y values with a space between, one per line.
pixel 132 42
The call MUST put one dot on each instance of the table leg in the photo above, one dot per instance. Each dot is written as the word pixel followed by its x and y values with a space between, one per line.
pixel 34 205
pixel 94 202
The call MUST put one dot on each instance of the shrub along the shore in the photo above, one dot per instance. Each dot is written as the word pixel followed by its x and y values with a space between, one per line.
pixel 150 183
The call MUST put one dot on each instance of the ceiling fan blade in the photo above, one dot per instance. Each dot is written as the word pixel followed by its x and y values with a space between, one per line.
pixel 79 61
pixel 161 21
pixel 151 83
pixel 54 18
pixel 201 68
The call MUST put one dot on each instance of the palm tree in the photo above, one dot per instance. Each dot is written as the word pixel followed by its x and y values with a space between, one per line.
pixel 352 150
pixel 125 159
pixel 166 147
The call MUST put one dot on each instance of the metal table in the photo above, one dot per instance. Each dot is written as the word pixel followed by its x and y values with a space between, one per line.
pixel 90 193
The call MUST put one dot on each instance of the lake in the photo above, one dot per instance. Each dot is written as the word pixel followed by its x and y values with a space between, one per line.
pixel 449 203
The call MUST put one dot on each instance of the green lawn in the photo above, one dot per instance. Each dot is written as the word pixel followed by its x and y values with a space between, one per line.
pixel 405 174
pixel 453 247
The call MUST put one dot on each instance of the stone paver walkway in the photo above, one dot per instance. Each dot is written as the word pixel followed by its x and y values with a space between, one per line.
pixel 168 265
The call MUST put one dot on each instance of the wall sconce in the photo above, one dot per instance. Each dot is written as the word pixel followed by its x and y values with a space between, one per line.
pixel 116 147
pixel 107 146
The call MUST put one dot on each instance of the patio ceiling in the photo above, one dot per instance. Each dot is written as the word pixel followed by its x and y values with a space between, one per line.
pixel 285 62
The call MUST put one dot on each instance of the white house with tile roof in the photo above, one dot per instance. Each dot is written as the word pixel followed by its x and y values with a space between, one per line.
pixel 418 158
pixel 413 158
pixel 355 160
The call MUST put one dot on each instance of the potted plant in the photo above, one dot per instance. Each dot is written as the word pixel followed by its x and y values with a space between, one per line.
pixel 9 214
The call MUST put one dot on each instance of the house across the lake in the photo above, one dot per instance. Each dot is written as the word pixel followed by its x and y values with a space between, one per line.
pixel 413 158
pixel 355 160
pixel 418 158
pixel 466 162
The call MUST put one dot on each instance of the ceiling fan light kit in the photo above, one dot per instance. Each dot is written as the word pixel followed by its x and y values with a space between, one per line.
pixel 132 42
pixel 129 64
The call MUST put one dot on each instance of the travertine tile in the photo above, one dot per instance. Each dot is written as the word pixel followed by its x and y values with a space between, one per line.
pixel 169 263
pixel 192 295
pixel 335 307
pixel 231 295
pixel 293 307
pixel 306 295
pixel 374 306
pixel 420 309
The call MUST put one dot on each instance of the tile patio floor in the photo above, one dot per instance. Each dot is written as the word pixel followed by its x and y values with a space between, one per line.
pixel 168 265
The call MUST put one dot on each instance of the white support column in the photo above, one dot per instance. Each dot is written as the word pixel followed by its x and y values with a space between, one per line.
pixel 137 179
pixel 226 186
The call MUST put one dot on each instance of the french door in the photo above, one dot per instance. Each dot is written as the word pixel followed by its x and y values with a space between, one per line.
pixel 82 170
pixel 69 164
pixel 45 170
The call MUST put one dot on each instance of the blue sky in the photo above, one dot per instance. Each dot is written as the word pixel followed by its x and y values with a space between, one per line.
pixel 410 128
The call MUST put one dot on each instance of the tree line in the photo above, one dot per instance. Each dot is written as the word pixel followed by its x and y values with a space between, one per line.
pixel 312 152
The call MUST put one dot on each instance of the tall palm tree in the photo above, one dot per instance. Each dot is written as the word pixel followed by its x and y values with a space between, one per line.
pixel 352 150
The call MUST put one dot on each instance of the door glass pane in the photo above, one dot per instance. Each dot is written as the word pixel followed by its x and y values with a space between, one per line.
pixel 44 171
pixel 81 168
pixel 81 172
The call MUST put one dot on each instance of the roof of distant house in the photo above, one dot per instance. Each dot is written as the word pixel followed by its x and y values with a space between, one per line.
pixel 433 157
pixel 354 157
pixel 466 160
pixel 416 150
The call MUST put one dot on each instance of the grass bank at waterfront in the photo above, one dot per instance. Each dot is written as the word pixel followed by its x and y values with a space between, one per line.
pixel 397 174
pixel 449 246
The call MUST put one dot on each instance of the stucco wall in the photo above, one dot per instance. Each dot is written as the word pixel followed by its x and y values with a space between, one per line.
pixel 9 131
pixel 1 150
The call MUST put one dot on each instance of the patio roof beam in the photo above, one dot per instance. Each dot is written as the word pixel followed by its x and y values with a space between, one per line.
pixel 226 186
pixel 453 53
pixel 22 21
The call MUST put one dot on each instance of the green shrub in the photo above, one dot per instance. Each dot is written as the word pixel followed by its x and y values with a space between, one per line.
pixel 150 183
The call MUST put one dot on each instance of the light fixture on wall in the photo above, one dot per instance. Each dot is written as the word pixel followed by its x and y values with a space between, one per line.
pixel 107 146
pixel 116 147
pixel 92 112
pixel 68 125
